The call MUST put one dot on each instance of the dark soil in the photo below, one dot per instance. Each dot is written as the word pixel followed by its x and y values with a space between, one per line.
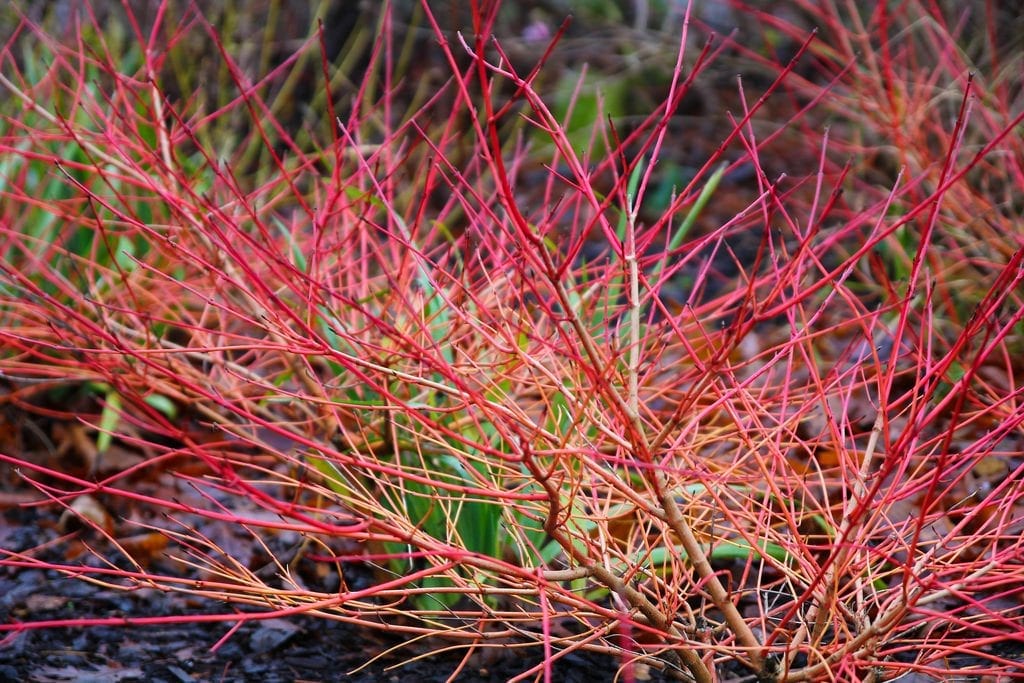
pixel 273 650
pixel 303 649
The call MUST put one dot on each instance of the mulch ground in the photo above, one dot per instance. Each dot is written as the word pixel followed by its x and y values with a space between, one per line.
pixel 270 651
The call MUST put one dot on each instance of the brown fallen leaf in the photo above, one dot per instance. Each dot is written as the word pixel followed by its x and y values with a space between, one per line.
pixel 86 510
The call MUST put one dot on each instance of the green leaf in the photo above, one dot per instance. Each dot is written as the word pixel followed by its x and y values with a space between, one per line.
pixel 109 419
pixel 698 206
pixel 163 404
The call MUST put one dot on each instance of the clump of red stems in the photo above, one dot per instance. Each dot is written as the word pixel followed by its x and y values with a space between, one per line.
pixel 444 344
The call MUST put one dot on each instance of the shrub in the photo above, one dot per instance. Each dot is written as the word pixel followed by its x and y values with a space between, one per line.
pixel 441 340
